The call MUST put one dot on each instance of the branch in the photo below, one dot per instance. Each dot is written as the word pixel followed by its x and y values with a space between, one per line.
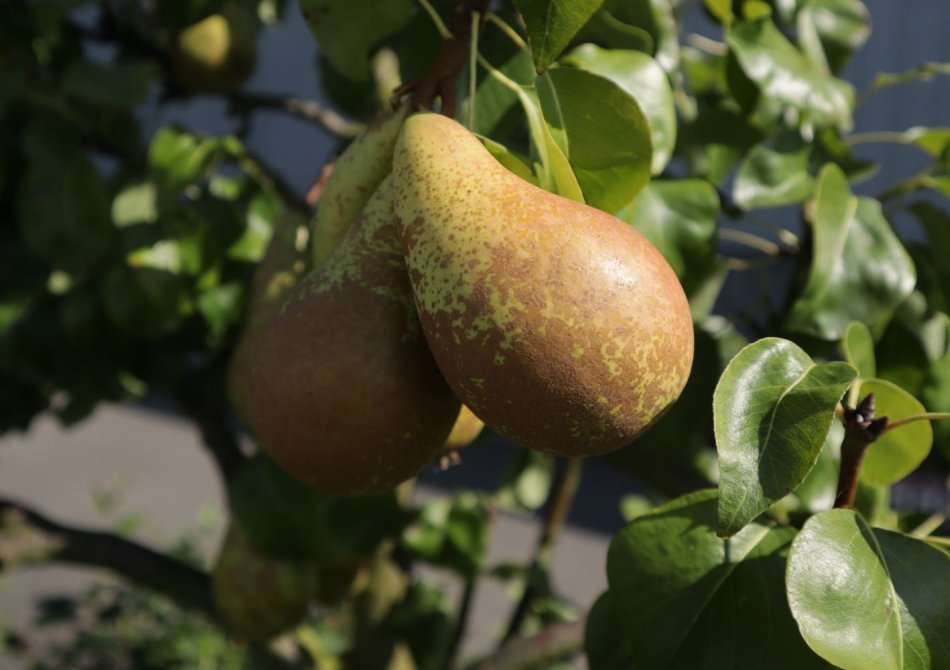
pixel 196 395
pixel 556 642
pixel 308 110
pixel 439 79
pixel 860 430
pixel 558 505
pixel 28 537
pixel 265 175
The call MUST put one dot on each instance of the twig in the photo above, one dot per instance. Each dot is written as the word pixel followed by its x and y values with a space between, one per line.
pixel 860 430
pixel 558 505
pixel 439 79
pixel 305 109
pixel 265 175
pixel 464 613
pixel 555 642
pixel 28 537
pixel 196 395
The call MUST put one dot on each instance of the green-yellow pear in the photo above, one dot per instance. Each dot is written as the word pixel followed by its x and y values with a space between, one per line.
pixel 356 175
pixel 560 326
pixel 344 393
pixel 218 53
pixel 467 427
pixel 284 263
pixel 259 596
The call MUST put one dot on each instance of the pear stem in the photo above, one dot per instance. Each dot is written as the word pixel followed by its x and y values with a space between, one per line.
pixel 439 79
pixel 502 25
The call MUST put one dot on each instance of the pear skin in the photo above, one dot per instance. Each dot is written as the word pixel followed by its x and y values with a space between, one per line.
pixel 284 263
pixel 356 175
pixel 218 53
pixel 344 393
pixel 560 326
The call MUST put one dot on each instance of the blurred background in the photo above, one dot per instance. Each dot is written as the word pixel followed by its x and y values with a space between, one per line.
pixel 142 468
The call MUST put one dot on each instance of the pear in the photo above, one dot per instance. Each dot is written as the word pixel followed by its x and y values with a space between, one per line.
pixel 218 53
pixel 467 427
pixel 344 393
pixel 284 263
pixel 259 596
pixel 559 325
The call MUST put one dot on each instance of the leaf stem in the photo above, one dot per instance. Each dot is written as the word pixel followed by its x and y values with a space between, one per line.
pixel 512 34
pixel 928 525
pixel 926 416
pixel 436 19
pixel 750 240
pixel 558 505
pixel 472 68
pixel 878 136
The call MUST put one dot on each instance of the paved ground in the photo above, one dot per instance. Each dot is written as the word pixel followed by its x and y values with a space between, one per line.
pixel 152 465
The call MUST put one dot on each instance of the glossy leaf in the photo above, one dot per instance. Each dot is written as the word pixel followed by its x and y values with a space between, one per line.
pixel 857 345
pixel 860 270
pixel 606 644
pixel 869 599
pixel 552 24
pixel 843 26
pixel 772 410
pixel 774 173
pixel 643 78
pixel 935 391
pixel 555 171
pixel 347 29
pixel 657 19
pixel 679 217
pixel 611 168
pixel 785 76
pixel 898 452
pixel 682 592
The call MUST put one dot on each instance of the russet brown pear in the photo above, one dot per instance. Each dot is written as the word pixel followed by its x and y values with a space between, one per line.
pixel 560 326
pixel 344 393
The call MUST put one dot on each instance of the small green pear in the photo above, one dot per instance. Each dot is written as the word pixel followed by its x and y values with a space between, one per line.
pixel 344 393
pixel 560 326
pixel 259 596
pixel 218 53
pixel 467 427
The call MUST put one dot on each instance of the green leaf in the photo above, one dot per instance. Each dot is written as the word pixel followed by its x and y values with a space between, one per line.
pixel 843 26
pixel 657 19
pixel 721 9
pixel 820 488
pixel 63 212
pixel 935 391
pixel 122 85
pixel 786 77
pixel 555 170
pixel 526 482
pixel 644 79
pixel 869 599
pixel 552 24
pixel 682 593
pixel 452 533
pixel 179 158
pixel 860 270
pixel 774 173
pixel 135 203
pixel 509 159
pixel 606 644
pixel 857 345
pixel 679 218
pixel 611 167
pixel 772 409
pixel 898 452
pixel 347 29
pixel 715 140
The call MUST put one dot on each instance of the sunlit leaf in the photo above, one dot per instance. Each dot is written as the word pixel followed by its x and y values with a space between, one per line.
pixel 773 407
pixel 552 24
pixel 869 599
pixel 898 452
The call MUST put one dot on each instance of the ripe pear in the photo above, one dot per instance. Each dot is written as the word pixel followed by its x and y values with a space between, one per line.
pixel 345 395
pixel 283 264
pixel 356 175
pixel 467 427
pixel 218 53
pixel 559 325
pixel 259 596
